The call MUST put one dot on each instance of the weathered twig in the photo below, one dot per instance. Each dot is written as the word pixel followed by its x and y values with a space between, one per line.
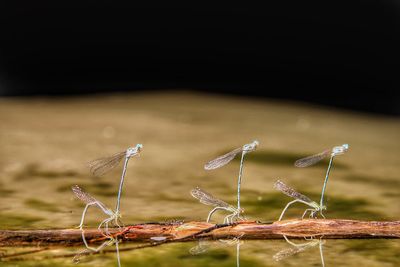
pixel 177 232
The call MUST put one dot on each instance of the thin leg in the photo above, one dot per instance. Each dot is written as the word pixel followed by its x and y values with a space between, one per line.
pixel 230 218
pixel 101 224
pixel 121 222
pixel 226 219
pixel 106 226
pixel 287 206
pixel 89 247
pixel 116 222
pixel 323 216
pixel 290 242
pixel 305 212
pixel 212 211
pixel 84 241
pixel 85 211
pixel 238 217
pixel 105 222
pixel 83 215
pixel 313 214
pixel 296 245
pixel 242 218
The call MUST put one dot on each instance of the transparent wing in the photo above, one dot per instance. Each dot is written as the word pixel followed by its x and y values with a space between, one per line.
pixel 311 160
pixel 100 166
pixel 85 197
pixel 232 241
pixel 283 254
pixel 281 186
pixel 199 249
pixel 82 195
pixel 77 258
pixel 222 160
pixel 207 198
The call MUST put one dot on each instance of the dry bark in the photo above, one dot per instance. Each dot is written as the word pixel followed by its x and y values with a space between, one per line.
pixel 175 232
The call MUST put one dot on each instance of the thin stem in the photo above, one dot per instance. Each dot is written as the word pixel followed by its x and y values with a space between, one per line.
pixel 321 253
pixel 118 258
pixel 121 185
pixel 238 254
pixel 321 203
pixel 240 179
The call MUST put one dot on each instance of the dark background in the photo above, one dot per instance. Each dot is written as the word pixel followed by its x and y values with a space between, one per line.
pixel 340 53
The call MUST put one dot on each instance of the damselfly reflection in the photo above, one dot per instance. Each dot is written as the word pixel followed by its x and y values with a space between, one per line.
pixel 111 241
pixel 311 160
pixel 208 199
pixel 92 201
pixel 101 166
pixel 113 217
pixel 298 248
pixel 203 246
pixel 315 208
pixel 225 159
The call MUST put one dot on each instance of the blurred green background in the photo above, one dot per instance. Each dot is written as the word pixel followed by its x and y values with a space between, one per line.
pixel 45 144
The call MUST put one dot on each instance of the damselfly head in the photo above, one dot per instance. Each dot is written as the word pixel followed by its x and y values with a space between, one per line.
pixel 134 151
pixel 255 143
pixel 339 150
pixel 139 147
pixel 251 147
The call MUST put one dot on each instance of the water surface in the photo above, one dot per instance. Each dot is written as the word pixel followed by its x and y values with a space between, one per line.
pixel 46 143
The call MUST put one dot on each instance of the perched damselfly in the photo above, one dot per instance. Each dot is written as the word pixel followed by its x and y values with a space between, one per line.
pixel 208 199
pixel 101 166
pixel 315 207
pixel 311 160
pixel 91 201
pixel 225 159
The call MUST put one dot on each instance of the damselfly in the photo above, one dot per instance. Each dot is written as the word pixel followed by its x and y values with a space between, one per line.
pixel 114 217
pixel 311 160
pixel 101 166
pixel 225 159
pixel 208 199
pixel 315 208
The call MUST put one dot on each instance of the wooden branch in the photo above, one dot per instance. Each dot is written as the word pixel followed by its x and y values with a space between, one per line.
pixel 176 232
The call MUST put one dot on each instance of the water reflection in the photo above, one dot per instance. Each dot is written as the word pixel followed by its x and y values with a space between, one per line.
pixel 255 253
pixel 298 248
pixel 203 246
pixel 89 250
